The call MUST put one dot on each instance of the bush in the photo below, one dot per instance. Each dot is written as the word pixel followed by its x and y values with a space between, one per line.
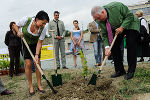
pixel 4 63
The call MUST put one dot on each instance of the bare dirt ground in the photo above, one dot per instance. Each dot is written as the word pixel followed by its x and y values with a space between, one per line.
pixel 74 86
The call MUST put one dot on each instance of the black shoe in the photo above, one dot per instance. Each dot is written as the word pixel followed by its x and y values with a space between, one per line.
pixel 58 67
pixel 118 74
pixel 18 74
pixel 6 92
pixel 31 93
pixel 129 76
pixel 65 67
pixel 141 60
pixel 112 62
pixel 42 91
pixel 10 76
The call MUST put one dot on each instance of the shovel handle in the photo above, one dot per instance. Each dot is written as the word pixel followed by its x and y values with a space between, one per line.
pixel 38 66
pixel 109 50
pixel 52 31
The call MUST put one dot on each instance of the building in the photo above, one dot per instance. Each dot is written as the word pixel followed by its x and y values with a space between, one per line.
pixel 144 7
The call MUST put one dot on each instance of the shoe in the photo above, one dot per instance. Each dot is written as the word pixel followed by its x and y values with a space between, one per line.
pixel 129 76
pixel 42 91
pixel 31 93
pixel 141 60
pixel 10 76
pixel 112 62
pixel 18 74
pixel 58 67
pixel 118 74
pixel 98 64
pixel 6 92
pixel 75 66
pixel 65 67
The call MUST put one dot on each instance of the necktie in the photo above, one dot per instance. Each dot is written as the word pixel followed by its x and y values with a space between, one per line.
pixel 58 29
pixel 109 31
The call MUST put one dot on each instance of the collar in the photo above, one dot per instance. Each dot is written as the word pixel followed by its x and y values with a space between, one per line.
pixel 55 20
pixel 140 17
pixel 107 13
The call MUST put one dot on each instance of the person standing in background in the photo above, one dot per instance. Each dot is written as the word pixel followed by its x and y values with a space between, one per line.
pixel 14 46
pixel 143 30
pixel 96 39
pixel 77 42
pixel 59 40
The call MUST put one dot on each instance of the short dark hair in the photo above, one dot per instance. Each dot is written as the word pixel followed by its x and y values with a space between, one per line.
pixel 56 12
pixel 11 24
pixel 77 22
pixel 41 15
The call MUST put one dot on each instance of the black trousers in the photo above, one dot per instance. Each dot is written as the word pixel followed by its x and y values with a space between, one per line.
pixel 14 53
pixel 131 41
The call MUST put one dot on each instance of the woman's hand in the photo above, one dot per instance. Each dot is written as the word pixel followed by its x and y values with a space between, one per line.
pixel 74 43
pixel 37 58
pixel 78 43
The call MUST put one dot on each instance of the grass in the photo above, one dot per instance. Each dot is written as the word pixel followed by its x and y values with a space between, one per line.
pixel 139 84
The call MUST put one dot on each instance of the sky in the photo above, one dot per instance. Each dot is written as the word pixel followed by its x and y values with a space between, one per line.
pixel 13 10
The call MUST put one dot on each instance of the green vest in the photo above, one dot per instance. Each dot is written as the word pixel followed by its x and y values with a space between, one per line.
pixel 29 37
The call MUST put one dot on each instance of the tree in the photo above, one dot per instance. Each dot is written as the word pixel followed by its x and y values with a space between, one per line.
pixel 67 34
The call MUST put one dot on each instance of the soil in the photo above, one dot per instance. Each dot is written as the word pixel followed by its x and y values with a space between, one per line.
pixel 78 89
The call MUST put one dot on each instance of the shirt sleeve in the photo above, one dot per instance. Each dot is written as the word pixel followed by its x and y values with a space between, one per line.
pixel 43 34
pixel 22 22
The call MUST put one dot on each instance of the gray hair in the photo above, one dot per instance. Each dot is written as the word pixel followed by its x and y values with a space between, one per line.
pixel 96 10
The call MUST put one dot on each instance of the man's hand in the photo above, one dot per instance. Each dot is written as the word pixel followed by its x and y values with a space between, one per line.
pixel 107 52
pixel 19 34
pixel 119 30
pixel 58 37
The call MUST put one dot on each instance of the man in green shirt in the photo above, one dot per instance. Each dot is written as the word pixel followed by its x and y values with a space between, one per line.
pixel 116 18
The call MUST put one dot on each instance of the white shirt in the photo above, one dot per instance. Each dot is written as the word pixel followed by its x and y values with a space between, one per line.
pixel 22 23
pixel 144 23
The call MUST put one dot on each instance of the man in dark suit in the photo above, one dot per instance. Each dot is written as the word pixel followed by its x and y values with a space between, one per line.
pixel 116 18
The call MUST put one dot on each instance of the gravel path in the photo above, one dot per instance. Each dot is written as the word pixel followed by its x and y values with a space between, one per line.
pixel 49 64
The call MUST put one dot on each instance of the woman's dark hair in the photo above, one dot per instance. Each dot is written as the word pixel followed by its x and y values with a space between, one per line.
pixel 11 24
pixel 41 15
pixel 56 12
pixel 77 22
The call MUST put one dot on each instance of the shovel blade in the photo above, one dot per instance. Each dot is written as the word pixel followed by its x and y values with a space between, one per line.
pixel 93 80
pixel 57 80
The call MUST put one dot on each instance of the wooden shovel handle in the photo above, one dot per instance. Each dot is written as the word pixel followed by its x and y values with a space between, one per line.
pixel 52 31
pixel 109 50
pixel 38 66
